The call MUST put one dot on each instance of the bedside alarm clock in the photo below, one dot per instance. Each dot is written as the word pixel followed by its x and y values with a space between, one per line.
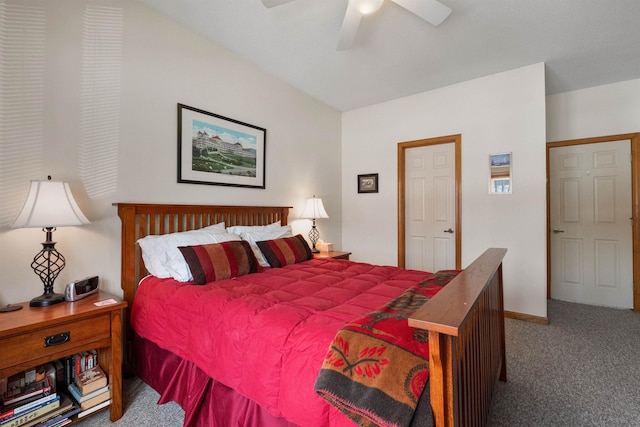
pixel 81 288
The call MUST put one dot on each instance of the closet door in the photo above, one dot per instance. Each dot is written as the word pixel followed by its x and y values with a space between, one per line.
pixel 430 210
pixel 590 238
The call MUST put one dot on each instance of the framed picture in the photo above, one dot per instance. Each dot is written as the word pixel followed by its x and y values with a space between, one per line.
pixel 217 150
pixel 500 173
pixel 368 183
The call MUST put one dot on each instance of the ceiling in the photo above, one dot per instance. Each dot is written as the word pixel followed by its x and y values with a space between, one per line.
pixel 584 43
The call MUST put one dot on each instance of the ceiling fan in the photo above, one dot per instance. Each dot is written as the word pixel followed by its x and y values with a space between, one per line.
pixel 431 11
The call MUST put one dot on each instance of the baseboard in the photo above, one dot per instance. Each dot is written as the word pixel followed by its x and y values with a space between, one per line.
pixel 526 317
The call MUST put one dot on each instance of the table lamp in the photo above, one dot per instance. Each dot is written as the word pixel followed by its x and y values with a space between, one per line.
pixel 313 210
pixel 49 204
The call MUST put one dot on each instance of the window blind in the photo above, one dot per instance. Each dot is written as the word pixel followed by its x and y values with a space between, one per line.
pixel 22 73
pixel 102 41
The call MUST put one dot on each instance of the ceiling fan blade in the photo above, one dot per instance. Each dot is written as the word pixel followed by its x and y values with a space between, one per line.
pixel 349 28
pixel 272 3
pixel 431 11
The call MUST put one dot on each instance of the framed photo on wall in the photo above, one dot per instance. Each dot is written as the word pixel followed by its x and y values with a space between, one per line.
pixel 500 173
pixel 368 183
pixel 217 150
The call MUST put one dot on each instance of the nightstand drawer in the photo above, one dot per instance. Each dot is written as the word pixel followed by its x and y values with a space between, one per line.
pixel 54 339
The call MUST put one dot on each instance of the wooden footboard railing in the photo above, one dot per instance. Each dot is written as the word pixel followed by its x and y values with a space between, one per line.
pixel 465 321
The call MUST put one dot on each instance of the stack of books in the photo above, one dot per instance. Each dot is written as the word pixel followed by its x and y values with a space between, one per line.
pixel 30 398
pixel 91 390
pixel 57 417
pixel 76 364
pixel 50 395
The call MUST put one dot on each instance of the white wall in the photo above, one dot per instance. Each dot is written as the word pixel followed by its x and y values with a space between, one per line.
pixel 599 111
pixel 163 64
pixel 498 113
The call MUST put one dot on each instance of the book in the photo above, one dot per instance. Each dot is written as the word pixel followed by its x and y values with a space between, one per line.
pixel 94 408
pixel 79 397
pixel 60 374
pixel 64 418
pixel 95 400
pixel 22 392
pixel 83 361
pixel 66 409
pixel 90 380
pixel 68 377
pixel 77 363
pixel 94 357
pixel 25 418
pixel 28 409
pixel 17 409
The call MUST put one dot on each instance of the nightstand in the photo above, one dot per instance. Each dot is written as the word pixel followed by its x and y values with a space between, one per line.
pixel 332 254
pixel 36 335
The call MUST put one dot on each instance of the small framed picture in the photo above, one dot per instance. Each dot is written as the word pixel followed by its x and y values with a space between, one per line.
pixel 368 183
pixel 500 173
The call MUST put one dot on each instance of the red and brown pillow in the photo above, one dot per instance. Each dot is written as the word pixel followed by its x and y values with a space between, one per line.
pixel 285 251
pixel 219 261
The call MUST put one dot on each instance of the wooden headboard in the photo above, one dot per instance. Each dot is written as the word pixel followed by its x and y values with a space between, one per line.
pixel 140 220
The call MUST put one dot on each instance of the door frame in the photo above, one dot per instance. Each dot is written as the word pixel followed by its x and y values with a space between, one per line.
pixel 634 139
pixel 402 148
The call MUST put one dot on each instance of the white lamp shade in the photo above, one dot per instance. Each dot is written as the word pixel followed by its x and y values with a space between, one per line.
pixel 314 209
pixel 366 7
pixel 49 204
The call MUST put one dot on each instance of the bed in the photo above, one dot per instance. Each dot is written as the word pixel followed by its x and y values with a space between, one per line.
pixel 461 313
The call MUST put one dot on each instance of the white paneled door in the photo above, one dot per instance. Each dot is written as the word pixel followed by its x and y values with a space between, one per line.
pixel 430 215
pixel 590 223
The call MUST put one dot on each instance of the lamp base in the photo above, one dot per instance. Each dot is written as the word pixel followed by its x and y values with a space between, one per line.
pixel 45 300
pixel 314 250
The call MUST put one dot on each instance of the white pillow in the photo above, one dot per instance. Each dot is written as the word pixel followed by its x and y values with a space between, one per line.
pixel 163 259
pixel 239 229
pixel 257 235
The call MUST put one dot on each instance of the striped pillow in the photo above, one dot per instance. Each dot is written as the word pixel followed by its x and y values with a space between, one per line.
pixel 285 251
pixel 219 261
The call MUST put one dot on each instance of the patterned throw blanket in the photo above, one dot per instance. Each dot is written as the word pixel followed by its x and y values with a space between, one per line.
pixel 377 366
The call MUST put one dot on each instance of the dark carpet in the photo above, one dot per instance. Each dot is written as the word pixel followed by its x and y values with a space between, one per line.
pixel 583 369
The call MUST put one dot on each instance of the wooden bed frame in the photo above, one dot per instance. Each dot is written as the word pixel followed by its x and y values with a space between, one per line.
pixel 465 320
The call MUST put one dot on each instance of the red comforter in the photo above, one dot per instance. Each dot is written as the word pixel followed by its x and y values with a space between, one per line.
pixel 266 334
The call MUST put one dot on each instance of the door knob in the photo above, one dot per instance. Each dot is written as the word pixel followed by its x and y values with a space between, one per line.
pixel 450 230
pixel 555 230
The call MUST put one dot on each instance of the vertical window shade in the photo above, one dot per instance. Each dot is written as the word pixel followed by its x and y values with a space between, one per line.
pixel 22 71
pixel 102 41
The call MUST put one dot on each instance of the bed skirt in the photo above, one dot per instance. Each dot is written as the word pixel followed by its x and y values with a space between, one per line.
pixel 205 401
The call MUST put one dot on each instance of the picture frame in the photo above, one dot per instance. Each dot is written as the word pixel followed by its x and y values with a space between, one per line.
pixel 500 173
pixel 368 183
pixel 217 150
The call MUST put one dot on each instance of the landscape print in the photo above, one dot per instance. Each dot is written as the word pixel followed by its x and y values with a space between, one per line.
pixel 217 149
pixel 500 160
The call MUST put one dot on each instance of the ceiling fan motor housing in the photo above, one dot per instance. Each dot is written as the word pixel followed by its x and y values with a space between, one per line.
pixel 366 7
